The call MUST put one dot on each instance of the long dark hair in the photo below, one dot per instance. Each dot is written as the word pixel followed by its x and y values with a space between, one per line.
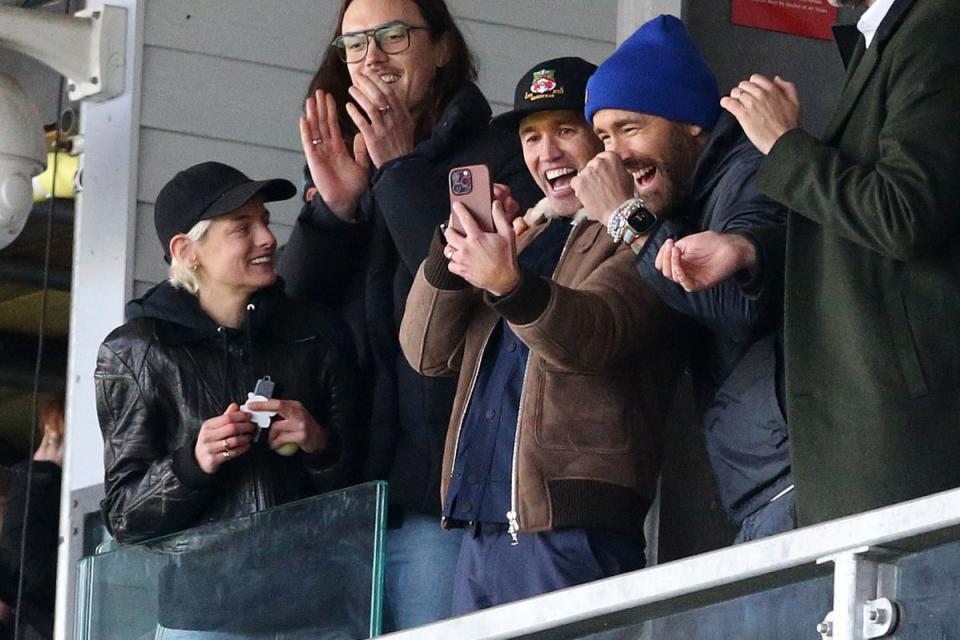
pixel 333 77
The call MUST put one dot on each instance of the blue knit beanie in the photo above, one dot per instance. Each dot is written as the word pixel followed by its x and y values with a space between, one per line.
pixel 659 71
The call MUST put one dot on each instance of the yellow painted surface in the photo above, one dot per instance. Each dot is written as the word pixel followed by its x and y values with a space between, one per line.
pixel 22 313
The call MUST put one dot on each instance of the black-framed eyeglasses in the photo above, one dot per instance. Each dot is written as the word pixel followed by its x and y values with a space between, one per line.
pixel 389 38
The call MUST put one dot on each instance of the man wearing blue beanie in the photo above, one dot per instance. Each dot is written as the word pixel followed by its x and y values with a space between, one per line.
pixel 867 265
pixel 673 166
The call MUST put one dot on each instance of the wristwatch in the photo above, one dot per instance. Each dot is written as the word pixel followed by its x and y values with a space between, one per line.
pixel 629 221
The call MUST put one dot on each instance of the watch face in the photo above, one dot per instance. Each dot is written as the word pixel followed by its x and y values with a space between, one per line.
pixel 641 221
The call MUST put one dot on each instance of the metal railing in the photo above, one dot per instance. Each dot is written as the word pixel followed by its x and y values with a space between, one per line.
pixel 860 551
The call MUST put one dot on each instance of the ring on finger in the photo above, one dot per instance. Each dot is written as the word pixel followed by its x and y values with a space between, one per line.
pixel 226 453
pixel 448 252
pixel 384 108
pixel 316 141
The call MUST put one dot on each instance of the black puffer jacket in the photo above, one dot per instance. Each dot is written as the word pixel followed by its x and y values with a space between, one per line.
pixel 170 367
pixel 365 270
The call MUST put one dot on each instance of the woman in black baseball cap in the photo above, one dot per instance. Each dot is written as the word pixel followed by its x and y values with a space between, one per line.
pixel 179 451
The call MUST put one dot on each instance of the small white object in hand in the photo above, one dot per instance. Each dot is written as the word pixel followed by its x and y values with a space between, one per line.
pixel 260 418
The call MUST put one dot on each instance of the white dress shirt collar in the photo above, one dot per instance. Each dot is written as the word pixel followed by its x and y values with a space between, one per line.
pixel 870 21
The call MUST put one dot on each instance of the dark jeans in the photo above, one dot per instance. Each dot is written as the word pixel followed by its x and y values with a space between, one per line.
pixel 770 519
pixel 490 571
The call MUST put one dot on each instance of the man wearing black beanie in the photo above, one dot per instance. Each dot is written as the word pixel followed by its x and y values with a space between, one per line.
pixel 566 362
pixel 673 166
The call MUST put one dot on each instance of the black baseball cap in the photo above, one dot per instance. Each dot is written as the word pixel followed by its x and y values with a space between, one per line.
pixel 558 84
pixel 205 191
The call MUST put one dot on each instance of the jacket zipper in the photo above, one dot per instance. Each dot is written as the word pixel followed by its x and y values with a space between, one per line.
pixel 246 360
pixel 513 518
pixel 246 352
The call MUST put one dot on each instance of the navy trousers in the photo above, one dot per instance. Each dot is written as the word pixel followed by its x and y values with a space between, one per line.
pixel 490 571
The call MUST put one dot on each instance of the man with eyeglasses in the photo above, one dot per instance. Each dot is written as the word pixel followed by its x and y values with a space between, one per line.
pixel 383 125
pixel 390 38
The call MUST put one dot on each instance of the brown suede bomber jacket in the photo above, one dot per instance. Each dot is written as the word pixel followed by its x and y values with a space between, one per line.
pixel 605 357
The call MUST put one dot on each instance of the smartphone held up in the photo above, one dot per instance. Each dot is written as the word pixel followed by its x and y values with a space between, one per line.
pixel 471 186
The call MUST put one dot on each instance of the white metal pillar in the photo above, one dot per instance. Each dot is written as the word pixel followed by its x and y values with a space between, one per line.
pixel 632 13
pixel 102 282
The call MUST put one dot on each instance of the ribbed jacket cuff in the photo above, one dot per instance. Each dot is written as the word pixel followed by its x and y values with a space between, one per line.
pixel 592 503
pixel 435 267
pixel 526 303
pixel 188 471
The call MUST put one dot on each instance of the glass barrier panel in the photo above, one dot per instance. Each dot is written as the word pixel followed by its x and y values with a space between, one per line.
pixel 308 569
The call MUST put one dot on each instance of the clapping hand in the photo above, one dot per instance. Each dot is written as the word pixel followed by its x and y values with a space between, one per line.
pixel 766 109
pixel 384 122
pixel 339 176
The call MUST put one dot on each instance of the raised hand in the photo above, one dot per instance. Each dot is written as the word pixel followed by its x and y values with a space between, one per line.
pixel 603 185
pixel 766 109
pixel 485 260
pixel 704 260
pixel 223 438
pixel 339 176
pixel 384 122
pixel 293 427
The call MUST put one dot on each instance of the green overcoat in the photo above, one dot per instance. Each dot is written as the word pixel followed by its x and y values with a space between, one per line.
pixel 872 266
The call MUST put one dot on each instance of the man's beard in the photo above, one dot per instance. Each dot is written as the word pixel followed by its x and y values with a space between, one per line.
pixel 676 170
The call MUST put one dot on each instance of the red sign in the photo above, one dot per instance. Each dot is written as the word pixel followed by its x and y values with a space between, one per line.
pixel 809 18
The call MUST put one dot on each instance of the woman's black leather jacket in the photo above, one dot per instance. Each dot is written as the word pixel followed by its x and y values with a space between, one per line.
pixel 170 367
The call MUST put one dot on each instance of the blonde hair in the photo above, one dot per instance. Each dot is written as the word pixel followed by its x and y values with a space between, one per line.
pixel 179 274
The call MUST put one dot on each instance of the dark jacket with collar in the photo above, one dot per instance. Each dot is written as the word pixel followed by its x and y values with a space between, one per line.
pixel 605 356
pixel 736 360
pixel 872 258
pixel 365 269
pixel 170 367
